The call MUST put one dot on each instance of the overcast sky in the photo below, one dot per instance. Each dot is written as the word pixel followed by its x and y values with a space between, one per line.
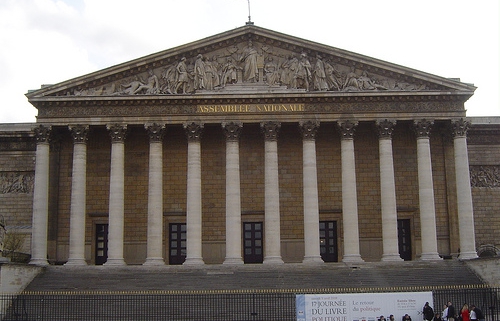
pixel 49 41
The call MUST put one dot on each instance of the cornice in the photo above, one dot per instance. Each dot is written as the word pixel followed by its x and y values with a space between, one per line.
pixel 200 99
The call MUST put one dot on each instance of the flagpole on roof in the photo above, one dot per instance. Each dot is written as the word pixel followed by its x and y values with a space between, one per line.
pixel 249 19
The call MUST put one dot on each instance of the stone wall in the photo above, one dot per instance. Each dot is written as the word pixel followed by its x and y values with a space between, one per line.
pixel 17 166
pixel 17 172
pixel 484 162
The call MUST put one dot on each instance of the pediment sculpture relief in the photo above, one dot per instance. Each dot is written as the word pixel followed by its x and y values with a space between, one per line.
pixel 250 66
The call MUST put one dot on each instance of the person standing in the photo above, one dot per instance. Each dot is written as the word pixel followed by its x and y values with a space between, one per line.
pixel 450 314
pixel 444 315
pixel 476 314
pixel 428 312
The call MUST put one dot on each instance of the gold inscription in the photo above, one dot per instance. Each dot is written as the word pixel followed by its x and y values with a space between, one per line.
pixel 254 108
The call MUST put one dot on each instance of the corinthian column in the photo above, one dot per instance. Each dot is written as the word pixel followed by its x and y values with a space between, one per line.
pixel 426 191
pixel 41 197
pixel 78 196
pixel 116 195
pixel 193 216
pixel 155 195
pixel 310 181
pixel 464 194
pixel 272 194
pixel 349 193
pixel 388 192
pixel 232 131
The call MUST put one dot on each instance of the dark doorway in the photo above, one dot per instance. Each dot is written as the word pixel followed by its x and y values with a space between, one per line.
pixel 252 242
pixel 101 244
pixel 404 239
pixel 177 243
pixel 328 241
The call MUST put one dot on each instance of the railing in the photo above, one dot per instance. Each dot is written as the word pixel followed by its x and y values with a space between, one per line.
pixel 206 305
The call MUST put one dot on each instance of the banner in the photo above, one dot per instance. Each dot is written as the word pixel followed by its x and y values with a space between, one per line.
pixel 361 306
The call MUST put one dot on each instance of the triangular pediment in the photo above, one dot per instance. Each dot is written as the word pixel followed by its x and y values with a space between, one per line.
pixel 251 60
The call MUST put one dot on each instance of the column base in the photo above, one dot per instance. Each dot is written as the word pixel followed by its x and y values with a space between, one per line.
pixel 313 260
pixel 391 258
pixel 76 262
pixel 352 258
pixel 430 257
pixel 154 261
pixel 193 261
pixel 36 261
pixel 233 260
pixel 467 255
pixel 115 262
pixel 273 260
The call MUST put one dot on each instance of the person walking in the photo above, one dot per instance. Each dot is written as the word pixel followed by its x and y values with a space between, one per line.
pixel 465 313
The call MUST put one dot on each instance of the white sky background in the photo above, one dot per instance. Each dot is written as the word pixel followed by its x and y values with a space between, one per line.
pixel 49 41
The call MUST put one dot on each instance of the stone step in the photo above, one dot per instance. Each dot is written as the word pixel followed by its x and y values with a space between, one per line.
pixel 254 277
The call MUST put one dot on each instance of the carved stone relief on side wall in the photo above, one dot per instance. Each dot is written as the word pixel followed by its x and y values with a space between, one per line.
pixel 16 182
pixel 485 176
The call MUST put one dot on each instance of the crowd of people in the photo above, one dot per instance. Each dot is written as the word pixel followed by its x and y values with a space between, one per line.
pixel 449 313
pixel 467 313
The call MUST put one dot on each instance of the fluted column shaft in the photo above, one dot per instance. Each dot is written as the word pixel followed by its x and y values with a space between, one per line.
pixel 464 193
pixel 194 212
pixel 272 228
pixel 78 196
pixel 155 195
pixel 116 195
pixel 310 190
pixel 232 131
pixel 40 197
pixel 349 193
pixel 426 191
pixel 388 192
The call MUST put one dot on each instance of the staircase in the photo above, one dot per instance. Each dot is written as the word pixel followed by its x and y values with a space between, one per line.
pixel 254 277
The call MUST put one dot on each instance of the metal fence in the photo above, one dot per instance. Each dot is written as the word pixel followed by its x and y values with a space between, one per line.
pixel 206 305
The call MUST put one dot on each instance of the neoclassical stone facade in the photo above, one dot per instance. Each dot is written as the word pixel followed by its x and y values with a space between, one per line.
pixel 253 146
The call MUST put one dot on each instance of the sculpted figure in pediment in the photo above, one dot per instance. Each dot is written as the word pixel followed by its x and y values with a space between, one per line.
pixel 303 74
pixel 333 77
pixel 250 69
pixel 229 72
pixel 199 73
pixel 271 71
pixel 288 70
pixel 319 75
pixel 351 82
pixel 182 76
pixel 365 83
pixel 151 87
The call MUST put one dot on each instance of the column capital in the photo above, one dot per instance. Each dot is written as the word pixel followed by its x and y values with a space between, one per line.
pixel 347 128
pixel 193 131
pixel 460 127
pixel 385 128
pixel 270 129
pixel 422 127
pixel 117 132
pixel 79 133
pixel 232 130
pixel 155 131
pixel 309 128
pixel 42 134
